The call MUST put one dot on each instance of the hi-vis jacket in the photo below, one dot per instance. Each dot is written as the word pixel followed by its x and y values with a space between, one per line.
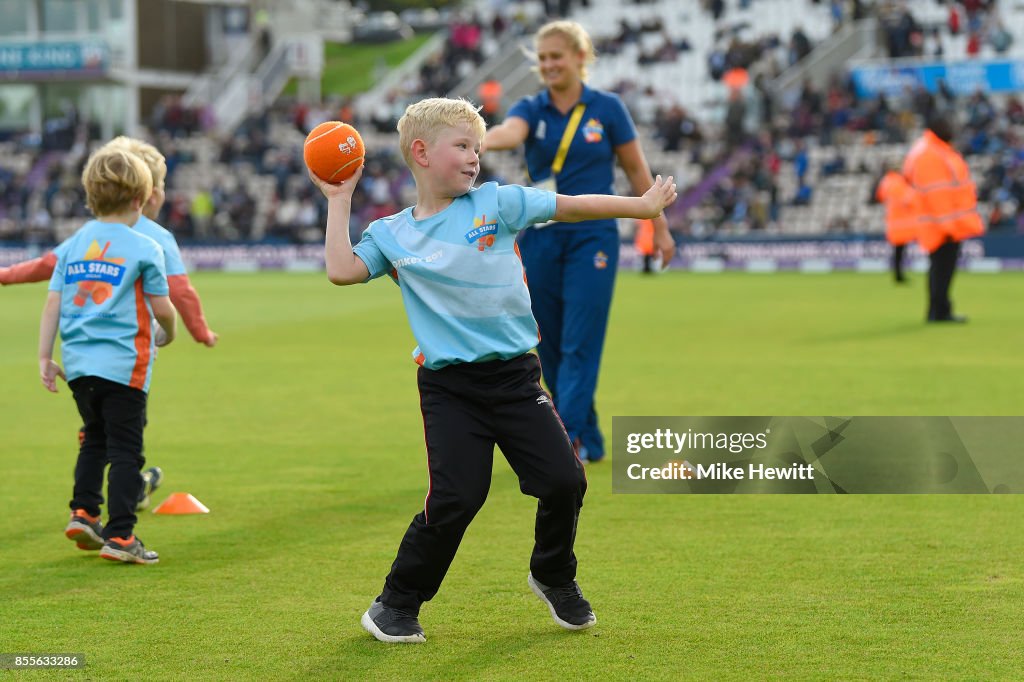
pixel 947 196
pixel 902 208
pixel 643 239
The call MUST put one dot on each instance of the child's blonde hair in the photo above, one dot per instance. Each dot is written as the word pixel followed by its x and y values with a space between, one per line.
pixel 113 178
pixel 427 119
pixel 149 154
pixel 574 34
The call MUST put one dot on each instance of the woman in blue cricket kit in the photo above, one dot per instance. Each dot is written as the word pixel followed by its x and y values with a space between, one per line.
pixel 573 136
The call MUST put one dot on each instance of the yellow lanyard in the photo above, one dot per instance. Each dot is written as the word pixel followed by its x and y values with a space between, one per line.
pixel 563 146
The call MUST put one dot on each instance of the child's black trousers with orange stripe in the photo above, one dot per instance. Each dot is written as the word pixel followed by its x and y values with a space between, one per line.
pixel 467 409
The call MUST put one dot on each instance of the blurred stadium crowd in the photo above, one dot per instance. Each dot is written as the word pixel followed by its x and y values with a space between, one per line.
pixel 801 165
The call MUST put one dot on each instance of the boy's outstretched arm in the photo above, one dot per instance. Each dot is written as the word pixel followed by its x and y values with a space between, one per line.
pixel 343 266
pixel 48 369
pixel 26 272
pixel 572 209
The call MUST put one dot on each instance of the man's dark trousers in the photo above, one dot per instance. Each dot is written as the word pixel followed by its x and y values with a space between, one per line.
pixel 940 278
pixel 898 252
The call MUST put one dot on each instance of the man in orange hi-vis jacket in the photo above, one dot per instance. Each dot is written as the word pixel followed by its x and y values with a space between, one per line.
pixel 902 210
pixel 948 210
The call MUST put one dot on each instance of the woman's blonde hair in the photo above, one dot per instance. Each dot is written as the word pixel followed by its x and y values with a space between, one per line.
pixel 145 151
pixel 113 178
pixel 426 119
pixel 575 35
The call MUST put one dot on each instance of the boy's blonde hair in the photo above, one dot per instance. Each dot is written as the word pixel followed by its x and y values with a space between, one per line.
pixel 149 154
pixel 575 35
pixel 113 178
pixel 427 119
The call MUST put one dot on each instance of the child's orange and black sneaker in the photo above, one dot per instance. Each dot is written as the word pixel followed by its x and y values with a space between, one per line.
pixel 85 530
pixel 129 551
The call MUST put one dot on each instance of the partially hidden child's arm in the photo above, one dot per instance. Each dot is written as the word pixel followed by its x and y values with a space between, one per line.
pixel 48 369
pixel 572 209
pixel 343 265
pixel 35 270
pixel 186 300
pixel 166 316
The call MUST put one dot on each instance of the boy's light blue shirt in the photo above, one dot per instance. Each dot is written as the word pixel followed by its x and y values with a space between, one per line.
pixel 461 277
pixel 103 273
pixel 162 236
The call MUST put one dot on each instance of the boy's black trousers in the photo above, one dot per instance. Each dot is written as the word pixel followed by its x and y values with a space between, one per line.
pixel 467 409
pixel 113 418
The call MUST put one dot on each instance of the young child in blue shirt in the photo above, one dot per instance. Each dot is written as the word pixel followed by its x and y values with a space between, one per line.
pixel 454 257
pixel 183 296
pixel 108 284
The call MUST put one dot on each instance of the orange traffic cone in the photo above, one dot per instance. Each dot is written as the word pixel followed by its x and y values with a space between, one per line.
pixel 181 503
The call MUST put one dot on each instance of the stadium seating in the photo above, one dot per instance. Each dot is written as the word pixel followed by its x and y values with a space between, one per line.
pixel 232 172
pixel 690 22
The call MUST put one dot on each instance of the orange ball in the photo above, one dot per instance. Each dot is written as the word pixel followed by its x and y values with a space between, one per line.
pixel 333 151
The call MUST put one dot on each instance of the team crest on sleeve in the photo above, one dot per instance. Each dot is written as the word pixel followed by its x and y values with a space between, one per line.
pixel 483 232
pixel 96 274
pixel 593 131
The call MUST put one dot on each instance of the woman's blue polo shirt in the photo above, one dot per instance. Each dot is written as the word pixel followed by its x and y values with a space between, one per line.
pixel 589 167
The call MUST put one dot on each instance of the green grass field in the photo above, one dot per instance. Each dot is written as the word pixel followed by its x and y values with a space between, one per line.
pixel 351 68
pixel 301 431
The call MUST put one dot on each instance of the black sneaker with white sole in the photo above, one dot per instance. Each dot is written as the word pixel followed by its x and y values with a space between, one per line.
pixel 392 625
pixel 566 603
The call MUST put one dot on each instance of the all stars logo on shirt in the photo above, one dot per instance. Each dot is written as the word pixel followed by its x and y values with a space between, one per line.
pixel 96 275
pixel 483 232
